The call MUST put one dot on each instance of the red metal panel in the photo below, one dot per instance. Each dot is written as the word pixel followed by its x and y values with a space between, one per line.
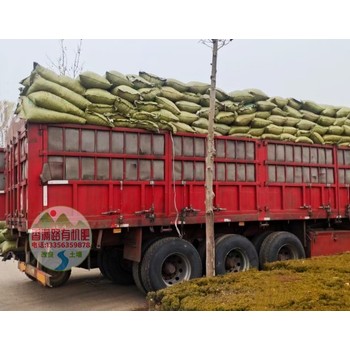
pixel 329 242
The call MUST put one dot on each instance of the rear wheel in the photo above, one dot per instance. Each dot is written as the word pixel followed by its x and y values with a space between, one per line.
pixel 58 278
pixel 169 261
pixel 136 266
pixel 234 253
pixel 115 267
pixel 279 246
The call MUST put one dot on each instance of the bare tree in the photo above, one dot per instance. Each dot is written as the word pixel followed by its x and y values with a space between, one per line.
pixel 63 65
pixel 215 45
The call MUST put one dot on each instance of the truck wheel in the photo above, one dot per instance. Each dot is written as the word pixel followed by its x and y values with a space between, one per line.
pixel 116 268
pixel 169 261
pixel 100 264
pixel 258 239
pixel 136 266
pixel 234 253
pixel 281 245
pixel 58 278
pixel 202 250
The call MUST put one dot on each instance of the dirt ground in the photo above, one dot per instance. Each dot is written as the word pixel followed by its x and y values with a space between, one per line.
pixel 84 291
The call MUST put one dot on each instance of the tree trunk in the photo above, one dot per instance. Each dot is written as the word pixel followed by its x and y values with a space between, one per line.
pixel 209 161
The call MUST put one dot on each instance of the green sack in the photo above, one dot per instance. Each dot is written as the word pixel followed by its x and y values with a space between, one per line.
pixel 2 238
pixel 201 123
pixel 277 119
pixel 329 111
pixel 265 106
pixel 91 80
pixel 164 103
pixel 303 139
pixel 289 130
pixel 340 121
pixel 3 225
pixel 273 129
pixel 312 117
pixel 343 112
pixel 346 130
pixel 262 115
pixel 240 130
pixel 127 93
pixel 166 115
pixel 199 130
pixel 223 129
pixel 292 112
pixel 197 87
pixel 220 95
pixel 245 119
pixel 99 108
pixel 225 118
pixel 312 107
pixel 147 106
pixel 288 137
pixel 247 109
pixel 316 138
pixel 138 82
pixel 257 94
pixel 188 106
pixel 260 123
pixel 152 78
pixel 41 84
pixel 279 101
pixel 41 115
pixel 292 102
pixel 325 121
pixel 176 84
pixel 270 137
pixel 171 94
pixel 229 106
pixel 241 96
pixel 99 119
pixel 182 127
pixel 335 130
pixel 149 94
pixel 8 246
pixel 123 106
pixel 279 111
pixel 47 100
pixel 204 112
pixel 205 102
pixel 100 96
pixel 290 121
pixel 256 132
pixel 188 118
pixel 322 130
pixel 63 80
pixel 192 97
pixel 116 78
pixel 331 139
pixel 305 125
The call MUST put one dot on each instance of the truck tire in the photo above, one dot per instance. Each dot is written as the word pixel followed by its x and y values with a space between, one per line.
pixel 258 239
pixel 58 278
pixel 136 266
pixel 169 261
pixel 116 268
pixel 281 245
pixel 234 253
pixel 202 250
pixel 100 263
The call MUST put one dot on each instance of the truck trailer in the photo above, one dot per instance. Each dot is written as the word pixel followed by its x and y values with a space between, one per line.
pixel 143 195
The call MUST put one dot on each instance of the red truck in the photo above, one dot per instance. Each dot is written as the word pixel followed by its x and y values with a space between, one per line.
pixel 143 195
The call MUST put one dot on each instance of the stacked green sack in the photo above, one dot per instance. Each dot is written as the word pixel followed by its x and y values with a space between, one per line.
pixel 153 103
pixel 7 240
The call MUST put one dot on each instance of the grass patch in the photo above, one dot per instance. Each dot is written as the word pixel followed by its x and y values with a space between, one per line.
pixel 321 283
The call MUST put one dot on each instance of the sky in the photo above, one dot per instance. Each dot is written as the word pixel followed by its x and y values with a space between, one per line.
pixel 305 69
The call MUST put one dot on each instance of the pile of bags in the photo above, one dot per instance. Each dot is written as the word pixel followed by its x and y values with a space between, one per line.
pixel 7 240
pixel 149 102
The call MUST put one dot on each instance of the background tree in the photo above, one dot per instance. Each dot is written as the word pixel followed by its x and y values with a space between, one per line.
pixel 63 63
pixel 6 111
pixel 215 45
